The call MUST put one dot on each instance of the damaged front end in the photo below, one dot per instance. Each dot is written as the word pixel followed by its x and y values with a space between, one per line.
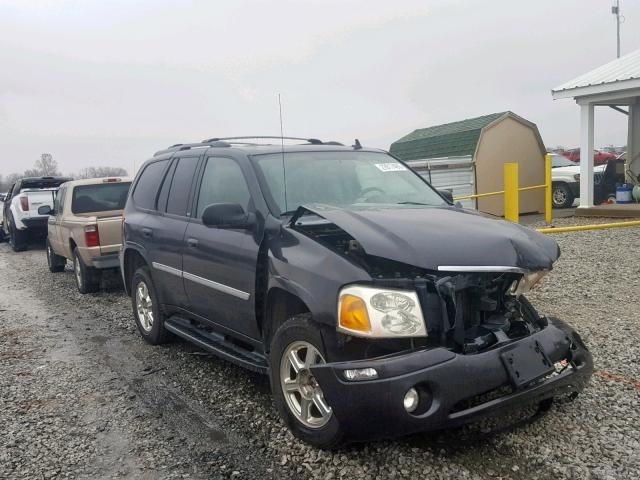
pixel 463 311
pixel 483 346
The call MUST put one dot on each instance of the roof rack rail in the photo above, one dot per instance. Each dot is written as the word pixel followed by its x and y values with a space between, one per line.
pixel 313 141
pixel 223 142
pixel 188 146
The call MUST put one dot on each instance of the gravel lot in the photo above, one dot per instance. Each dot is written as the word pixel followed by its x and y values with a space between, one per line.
pixel 82 396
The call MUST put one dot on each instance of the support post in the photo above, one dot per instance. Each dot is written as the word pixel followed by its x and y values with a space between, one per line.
pixel 511 207
pixel 586 155
pixel 632 163
pixel 548 212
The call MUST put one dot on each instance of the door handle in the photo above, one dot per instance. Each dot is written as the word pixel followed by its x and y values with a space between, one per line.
pixel 147 232
pixel 192 242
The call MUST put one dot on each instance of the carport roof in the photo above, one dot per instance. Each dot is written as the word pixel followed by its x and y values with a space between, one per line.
pixel 448 140
pixel 620 74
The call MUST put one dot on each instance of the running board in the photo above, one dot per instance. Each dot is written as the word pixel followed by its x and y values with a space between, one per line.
pixel 217 344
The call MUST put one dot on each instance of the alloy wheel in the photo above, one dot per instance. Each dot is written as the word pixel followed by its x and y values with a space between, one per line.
pixel 301 390
pixel 559 197
pixel 144 306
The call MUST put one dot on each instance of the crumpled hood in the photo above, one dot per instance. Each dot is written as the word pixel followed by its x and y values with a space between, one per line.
pixel 433 237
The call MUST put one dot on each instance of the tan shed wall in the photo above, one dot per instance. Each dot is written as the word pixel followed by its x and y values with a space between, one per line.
pixel 509 141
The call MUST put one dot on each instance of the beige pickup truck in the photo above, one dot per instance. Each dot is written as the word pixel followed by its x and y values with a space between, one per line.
pixel 85 226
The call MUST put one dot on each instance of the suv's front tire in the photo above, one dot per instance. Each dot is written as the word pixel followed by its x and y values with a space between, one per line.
pixel 297 345
pixel 146 308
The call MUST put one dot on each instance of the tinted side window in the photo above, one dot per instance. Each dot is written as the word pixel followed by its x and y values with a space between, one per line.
pixel 144 196
pixel 181 185
pixel 164 190
pixel 223 182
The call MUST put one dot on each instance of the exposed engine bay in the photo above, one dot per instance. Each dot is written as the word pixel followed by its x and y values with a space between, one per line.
pixel 464 312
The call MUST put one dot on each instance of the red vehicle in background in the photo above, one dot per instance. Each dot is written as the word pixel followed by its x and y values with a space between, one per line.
pixel 599 158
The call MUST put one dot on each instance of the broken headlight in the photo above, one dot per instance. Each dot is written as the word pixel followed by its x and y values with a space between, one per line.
pixel 526 283
pixel 380 313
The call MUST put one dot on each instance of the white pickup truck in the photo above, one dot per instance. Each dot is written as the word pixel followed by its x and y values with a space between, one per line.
pixel 565 177
pixel 21 220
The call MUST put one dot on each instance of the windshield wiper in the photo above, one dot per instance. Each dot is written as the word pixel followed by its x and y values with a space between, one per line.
pixel 412 203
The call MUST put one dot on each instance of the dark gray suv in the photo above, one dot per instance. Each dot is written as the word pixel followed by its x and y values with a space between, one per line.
pixel 375 305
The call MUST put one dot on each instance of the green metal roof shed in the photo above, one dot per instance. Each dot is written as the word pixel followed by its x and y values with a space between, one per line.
pixel 454 139
pixel 467 157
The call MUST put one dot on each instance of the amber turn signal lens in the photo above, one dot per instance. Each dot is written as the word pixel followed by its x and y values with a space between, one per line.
pixel 353 314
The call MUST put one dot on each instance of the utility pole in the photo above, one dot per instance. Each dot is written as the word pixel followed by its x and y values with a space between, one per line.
pixel 616 11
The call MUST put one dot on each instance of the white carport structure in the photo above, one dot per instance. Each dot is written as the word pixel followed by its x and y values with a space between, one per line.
pixel 617 85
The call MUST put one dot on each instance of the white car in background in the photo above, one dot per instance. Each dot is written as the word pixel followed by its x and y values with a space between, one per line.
pixel 565 177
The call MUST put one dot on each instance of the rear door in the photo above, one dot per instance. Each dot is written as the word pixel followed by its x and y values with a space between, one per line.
pixel 167 229
pixel 219 265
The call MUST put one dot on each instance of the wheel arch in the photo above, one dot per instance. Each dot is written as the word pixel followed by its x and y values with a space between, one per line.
pixel 280 305
pixel 132 259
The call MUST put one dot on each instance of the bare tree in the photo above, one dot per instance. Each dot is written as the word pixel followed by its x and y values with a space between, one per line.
pixel 47 166
pixel 101 172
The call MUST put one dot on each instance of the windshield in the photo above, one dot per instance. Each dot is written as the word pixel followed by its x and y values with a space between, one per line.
pixel 560 161
pixel 346 179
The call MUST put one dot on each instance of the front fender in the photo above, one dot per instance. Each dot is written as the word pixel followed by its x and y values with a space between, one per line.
pixel 312 272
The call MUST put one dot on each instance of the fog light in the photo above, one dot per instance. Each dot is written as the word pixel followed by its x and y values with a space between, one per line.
pixel 360 374
pixel 411 400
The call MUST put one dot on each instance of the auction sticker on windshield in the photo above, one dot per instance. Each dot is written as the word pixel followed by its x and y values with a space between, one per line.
pixel 390 167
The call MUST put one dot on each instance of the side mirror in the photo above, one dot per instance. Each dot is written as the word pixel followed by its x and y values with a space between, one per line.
pixel 2 197
pixel 45 210
pixel 227 215
pixel 447 195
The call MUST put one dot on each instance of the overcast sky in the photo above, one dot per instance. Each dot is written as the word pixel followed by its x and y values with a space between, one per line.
pixel 108 83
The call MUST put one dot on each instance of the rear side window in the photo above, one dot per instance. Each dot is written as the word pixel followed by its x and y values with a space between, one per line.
pixel 99 198
pixel 144 195
pixel 181 185
pixel 223 182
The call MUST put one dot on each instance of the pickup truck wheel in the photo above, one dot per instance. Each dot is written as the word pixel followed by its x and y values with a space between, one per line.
pixel 17 238
pixel 296 346
pixel 87 279
pixel 146 308
pixel 56 262
pixel 561 196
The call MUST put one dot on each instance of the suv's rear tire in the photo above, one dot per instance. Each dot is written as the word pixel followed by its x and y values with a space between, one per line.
pixel 146 308
pixel 297 336
pixel 56 262
pixel 87 278
pixel 17 238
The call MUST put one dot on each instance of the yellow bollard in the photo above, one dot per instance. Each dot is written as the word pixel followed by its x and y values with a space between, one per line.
pixel 548 212
pixel 511 207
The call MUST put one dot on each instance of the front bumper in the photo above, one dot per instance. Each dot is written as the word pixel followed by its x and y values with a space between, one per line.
pixel 373 409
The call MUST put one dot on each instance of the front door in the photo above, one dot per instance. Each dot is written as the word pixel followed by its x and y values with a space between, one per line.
pixel 55 220
pixel 219 265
